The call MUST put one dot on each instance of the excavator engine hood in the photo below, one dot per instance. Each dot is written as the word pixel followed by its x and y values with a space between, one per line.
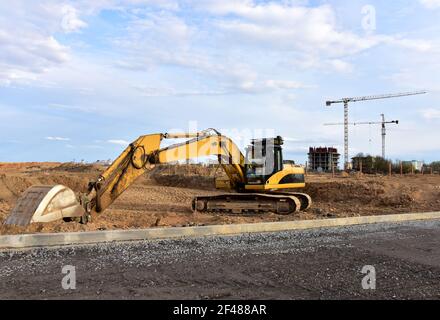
pixel 45 204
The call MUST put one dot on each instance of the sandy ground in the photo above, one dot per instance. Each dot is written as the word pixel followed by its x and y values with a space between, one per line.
pixel 163 197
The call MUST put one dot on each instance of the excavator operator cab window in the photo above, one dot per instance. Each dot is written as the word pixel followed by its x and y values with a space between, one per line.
pixel 263 159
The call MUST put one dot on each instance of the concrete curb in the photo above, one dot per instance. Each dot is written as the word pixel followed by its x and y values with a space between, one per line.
pixel 70 238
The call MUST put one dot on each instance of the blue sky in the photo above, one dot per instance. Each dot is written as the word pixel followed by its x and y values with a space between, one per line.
pixel 80 79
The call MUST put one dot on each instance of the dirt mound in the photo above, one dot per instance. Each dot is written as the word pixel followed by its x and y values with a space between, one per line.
pixel 185 176
pixel 382 192
pixel 357 191
pixel 192 182
pixel 371 195
pixel 21 166
pixel 188 170
pixel 11 187
pixel 77 167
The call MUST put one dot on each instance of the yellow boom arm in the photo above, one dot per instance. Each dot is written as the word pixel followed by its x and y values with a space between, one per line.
pixel 145 152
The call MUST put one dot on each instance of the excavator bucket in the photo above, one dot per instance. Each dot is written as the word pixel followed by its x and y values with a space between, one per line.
pixel 45 204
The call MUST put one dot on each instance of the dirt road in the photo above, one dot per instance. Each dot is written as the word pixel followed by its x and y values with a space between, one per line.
pixel 313 264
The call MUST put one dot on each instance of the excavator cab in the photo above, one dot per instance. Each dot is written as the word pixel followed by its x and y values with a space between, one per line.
pixel 265 169
pixel 264 158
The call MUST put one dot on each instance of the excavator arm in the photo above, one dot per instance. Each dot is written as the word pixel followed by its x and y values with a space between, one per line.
pixel 142 154
pixel 50 203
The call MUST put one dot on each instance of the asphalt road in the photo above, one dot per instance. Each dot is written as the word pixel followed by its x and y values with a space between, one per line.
pixel 311 264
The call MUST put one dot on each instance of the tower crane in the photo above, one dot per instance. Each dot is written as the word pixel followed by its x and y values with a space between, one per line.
pixel 345 101
pixel 383 123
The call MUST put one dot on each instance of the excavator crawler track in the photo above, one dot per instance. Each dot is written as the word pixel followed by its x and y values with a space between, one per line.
pixel 252 203
pixel 305 199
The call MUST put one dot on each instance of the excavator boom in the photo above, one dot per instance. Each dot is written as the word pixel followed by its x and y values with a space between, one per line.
pixel 50 203
pixel 141 155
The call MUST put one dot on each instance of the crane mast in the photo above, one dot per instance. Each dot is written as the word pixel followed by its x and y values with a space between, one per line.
pixel 383 123
pixel 384 132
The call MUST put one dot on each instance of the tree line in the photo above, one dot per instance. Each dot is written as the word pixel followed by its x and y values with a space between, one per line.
pixel 370 164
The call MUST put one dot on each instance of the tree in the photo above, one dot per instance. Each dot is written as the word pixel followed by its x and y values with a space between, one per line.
pixel 435 166
pixel 406 166
pixel 382 165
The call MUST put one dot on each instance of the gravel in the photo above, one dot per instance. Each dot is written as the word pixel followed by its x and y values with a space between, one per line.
pixel 319 264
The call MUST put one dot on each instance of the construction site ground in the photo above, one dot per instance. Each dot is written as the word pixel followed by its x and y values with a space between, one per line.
pixel 162 197
pixel 322 263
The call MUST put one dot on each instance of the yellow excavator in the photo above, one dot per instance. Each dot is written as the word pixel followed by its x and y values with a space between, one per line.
pixel 257 183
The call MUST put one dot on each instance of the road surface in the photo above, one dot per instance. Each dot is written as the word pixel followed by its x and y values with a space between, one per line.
pixel 310 264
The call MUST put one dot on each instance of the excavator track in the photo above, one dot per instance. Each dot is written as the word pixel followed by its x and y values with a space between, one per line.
pixel 252 203
pixel 304 198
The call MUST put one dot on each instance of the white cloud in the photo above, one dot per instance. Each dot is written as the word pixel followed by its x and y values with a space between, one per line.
pixel 285 27
pixel 310 32
pixel 431 114
pixel 26 52
pixel 284 84
pixel 118 142
pixel 60 106
pixel 413 44
pixel 430 4
pixel 305 61
pixel 57 139
pixel 424 75
pixel 158 35
pixel 171 92
pixel 340 65
pixel 71 21
pixel 163 29
pixel 260 86
pixel 27 41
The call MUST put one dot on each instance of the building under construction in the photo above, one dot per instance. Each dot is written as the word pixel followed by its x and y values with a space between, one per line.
pixel 323 159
